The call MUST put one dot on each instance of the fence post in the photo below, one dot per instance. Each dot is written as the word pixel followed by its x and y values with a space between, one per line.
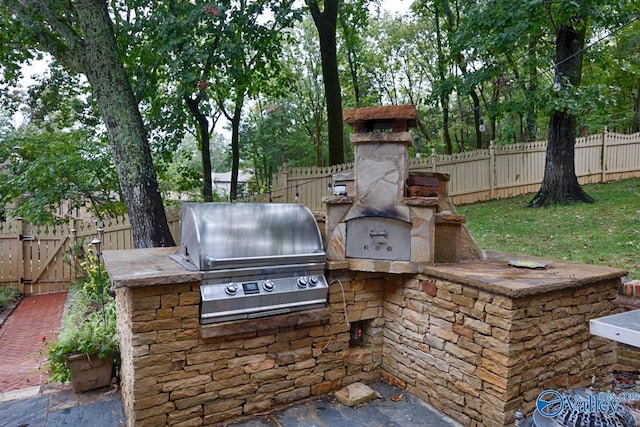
pixel 603 156
pixel 434 160
pixel 492 170
pixel 20 254
pixel 285 183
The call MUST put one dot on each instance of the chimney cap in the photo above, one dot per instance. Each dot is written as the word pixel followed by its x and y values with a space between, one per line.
pixel 398 118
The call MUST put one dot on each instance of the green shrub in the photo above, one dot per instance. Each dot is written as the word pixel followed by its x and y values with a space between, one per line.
pixel 8 296
pixel 89 322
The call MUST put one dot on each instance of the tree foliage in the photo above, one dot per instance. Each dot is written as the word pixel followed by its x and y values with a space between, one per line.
pixel 219 55
pixel 80 36
pixel 48 174
pixel 478 72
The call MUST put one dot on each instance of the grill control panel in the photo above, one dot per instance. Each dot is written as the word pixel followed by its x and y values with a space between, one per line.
pixel 252 298
pixel 262 288
pixel 270 285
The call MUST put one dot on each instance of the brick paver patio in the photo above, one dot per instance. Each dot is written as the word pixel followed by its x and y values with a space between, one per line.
pixel 22 350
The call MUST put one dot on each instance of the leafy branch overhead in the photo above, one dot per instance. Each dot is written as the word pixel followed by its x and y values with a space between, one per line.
pixel 50 174
pixel 81 36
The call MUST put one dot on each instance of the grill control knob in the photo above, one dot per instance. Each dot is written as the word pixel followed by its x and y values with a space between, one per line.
pixel 268 285
pixel 231 289
pixel 302 282
pixel 313 281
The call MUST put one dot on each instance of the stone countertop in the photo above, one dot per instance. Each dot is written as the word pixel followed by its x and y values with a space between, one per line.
pixel 146 267
pixel 494 274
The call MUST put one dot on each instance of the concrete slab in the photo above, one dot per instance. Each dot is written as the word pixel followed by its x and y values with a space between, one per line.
pixel 395 408
pixel 57 408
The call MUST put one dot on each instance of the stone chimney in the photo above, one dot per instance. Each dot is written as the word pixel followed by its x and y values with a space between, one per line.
pixel 380 228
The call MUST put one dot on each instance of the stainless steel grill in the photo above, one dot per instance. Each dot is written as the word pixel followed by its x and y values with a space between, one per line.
pixel 257 259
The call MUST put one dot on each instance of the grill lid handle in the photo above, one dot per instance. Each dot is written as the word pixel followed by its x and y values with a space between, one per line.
pixel 383 233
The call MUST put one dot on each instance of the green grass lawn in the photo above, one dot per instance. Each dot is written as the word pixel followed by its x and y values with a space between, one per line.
pixel 604 233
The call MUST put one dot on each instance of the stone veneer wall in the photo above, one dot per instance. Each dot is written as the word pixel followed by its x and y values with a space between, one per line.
pixel 474 355
pixel 478 357
pixel 172 376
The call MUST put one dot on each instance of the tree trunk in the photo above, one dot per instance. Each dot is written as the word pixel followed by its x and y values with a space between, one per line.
pixel 443 96
pixel 104 70
pixel 235 150
pixel 635 124
pixel 529 93
pixel 317 138
pixel 476 117
pixel 326 25
pixel 205 145
pixel 560 184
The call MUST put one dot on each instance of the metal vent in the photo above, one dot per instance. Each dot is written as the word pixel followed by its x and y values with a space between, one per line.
pixel 378 238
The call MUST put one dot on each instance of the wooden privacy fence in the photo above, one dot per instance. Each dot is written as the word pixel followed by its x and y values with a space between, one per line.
pixel 40 259
pixel 497 172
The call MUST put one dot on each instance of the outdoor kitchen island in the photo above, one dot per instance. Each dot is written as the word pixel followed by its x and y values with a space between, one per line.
pixel 477 340
pixel 409 300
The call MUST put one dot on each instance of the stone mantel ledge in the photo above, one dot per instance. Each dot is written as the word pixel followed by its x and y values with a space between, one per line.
pixel 409 201
pixel 495 275
pixel 146 267
pixel 337 200
pixel 378 137
pixel 421 201
pixel 450 218
pixel 374 266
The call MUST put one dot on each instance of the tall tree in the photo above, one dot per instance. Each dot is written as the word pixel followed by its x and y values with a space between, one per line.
pixel 309 88
pixel 80 35
pixel 326 21
pixel 560 183
pixel 443 91
pixel 173 93
pixel 353 19
pixel 248 63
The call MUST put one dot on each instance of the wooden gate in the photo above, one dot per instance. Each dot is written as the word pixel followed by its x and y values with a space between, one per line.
pixel 35 259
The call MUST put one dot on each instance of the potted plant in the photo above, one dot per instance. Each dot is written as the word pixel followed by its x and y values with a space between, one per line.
pixel 87 347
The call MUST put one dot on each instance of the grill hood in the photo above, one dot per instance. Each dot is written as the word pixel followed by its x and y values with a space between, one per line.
pixel 232 235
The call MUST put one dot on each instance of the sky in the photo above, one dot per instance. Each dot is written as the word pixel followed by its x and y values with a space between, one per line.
pixel 396 6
